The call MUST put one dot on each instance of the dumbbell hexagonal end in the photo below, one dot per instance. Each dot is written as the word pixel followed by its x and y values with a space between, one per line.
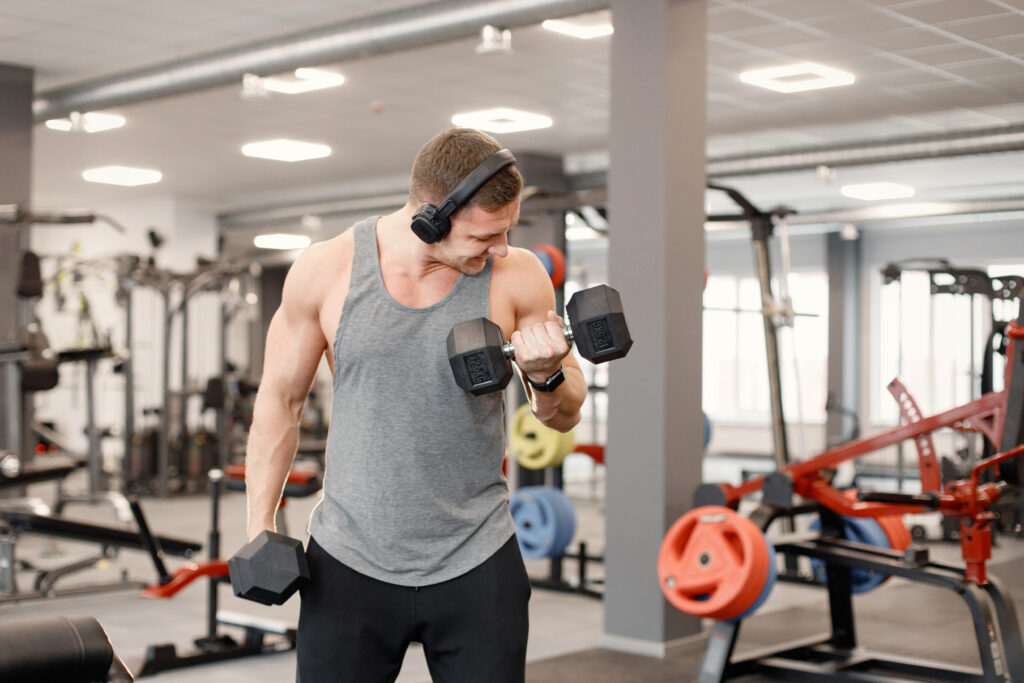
pixel 269 569
pixel 598 324
pixel 475 354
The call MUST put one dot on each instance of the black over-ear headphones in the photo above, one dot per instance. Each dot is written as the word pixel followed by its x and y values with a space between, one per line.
pixel 431 223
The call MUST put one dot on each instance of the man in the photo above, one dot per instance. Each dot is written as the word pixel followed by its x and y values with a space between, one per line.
pixel 413 540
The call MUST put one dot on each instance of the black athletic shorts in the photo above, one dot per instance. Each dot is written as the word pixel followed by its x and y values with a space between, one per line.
pixel 473 627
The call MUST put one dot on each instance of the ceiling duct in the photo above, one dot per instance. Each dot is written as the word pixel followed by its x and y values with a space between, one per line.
pixel 937 146
pixel 386 32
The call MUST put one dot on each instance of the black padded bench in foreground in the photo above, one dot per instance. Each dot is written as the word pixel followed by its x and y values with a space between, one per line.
pixel 58 650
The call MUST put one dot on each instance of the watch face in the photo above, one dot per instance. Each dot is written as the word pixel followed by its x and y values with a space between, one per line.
pixel 551 383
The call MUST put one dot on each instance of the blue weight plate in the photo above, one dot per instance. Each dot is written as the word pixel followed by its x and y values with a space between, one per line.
pixel 566 519
pixel 535 523
pixel 545 258
pixel 769 583
pixel 544 525
pixel 859 530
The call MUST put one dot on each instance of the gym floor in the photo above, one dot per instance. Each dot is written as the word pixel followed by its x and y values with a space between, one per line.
pixel 566 630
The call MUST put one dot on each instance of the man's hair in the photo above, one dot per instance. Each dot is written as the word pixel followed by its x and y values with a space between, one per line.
pixel 449 157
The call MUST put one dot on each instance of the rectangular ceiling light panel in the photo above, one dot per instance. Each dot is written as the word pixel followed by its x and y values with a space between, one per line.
pixel 90 122
pixel 281 240
pixel 306 80
pixel 122 175
pixel 583 31
pixel 797 77
pixel 502 120
pixel 286 150
pixel 876 191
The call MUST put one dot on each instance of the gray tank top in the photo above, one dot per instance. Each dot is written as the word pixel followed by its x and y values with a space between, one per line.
pixel 413 489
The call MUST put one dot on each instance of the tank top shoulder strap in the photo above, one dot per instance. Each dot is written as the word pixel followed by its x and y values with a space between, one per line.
pixel 365 263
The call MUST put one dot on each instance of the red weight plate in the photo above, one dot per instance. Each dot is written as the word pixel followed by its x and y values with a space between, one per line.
pixel 713 563
pixel 558 263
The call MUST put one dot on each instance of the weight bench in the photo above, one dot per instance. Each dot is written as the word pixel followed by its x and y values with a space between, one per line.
pixel 32 475
pixel 58 650
pixel 13 523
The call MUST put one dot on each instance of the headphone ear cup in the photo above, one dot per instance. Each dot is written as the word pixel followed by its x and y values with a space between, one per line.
pixel 428 226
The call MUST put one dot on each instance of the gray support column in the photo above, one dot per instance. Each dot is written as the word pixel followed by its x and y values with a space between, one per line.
pixel 15 188
pixel 843 334
pixel 656 259
pixel 15 185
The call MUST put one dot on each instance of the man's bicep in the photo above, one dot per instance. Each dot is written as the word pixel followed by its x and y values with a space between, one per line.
pixel 536 299
pixel 536 295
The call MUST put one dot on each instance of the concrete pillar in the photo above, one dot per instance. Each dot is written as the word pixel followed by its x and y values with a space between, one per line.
pixel 15 188
pixel 656 259
pixel 843 334
pixel 15 185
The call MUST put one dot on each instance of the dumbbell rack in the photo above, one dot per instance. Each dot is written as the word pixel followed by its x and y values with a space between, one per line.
pixel 554 581
pixel 583 585
pixel 837 657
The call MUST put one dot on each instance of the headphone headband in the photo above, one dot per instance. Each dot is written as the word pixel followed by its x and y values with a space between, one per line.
pixel 432 223
pixel 465 190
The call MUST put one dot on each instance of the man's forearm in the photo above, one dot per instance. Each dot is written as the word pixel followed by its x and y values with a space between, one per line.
pixel 269 454
pixel 560 409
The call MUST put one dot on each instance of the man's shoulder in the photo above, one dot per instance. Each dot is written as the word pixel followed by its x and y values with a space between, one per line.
pixel 521 280
pixel 330 253
pixel 519 262
pixel 518 267
pixel 317 268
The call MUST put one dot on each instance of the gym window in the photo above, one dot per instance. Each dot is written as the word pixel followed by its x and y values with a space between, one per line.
pixel 735 368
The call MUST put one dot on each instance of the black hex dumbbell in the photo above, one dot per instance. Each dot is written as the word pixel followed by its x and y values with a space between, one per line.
pixel 481 358
pixel 269 569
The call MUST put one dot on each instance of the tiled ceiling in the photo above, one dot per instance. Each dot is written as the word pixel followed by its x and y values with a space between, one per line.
pixel 922 66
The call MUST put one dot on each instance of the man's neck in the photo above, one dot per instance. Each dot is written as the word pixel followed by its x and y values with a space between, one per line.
pixel 401 249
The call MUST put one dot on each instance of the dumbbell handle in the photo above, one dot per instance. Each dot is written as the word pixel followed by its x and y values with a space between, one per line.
pixel 510 351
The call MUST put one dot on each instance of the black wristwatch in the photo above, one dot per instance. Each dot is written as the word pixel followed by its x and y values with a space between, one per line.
pixel 551 383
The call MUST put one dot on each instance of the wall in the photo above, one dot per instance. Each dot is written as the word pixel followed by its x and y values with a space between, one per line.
pixel 189 232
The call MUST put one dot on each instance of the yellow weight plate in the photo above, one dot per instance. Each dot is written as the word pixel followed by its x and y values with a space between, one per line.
pixel 535 446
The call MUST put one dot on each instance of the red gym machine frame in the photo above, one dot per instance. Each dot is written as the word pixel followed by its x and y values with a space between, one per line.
pixel 838 657
pixel 968 499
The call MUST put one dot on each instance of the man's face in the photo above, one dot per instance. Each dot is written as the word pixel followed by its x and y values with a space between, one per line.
pixel 477 234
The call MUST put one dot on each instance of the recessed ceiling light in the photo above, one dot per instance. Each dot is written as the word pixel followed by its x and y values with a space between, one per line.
pixel 286 150
pixel 122 175
pixel 305 80
pixel 90 122
pixel 502 120
pixel 874 191
pixel 281 240
pixel 579 30
pixel 797 77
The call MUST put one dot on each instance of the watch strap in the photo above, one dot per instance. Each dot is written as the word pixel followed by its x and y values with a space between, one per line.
pixel 549 384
